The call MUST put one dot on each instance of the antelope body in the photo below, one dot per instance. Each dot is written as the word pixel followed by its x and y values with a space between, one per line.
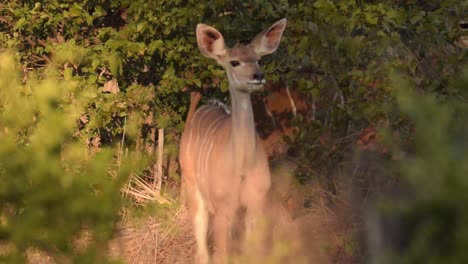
pixel 224 166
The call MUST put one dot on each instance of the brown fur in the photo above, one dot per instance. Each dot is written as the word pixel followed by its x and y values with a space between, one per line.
pixel 224 165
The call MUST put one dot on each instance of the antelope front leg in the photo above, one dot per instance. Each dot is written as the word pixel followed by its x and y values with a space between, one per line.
pixel 254 198
pixel 222 223
pixel 199 215
pixel 201 231
pixel 254 228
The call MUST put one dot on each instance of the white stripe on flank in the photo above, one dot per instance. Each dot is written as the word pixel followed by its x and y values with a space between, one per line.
pixel 192 125
pixel 215 127
pixel 211 130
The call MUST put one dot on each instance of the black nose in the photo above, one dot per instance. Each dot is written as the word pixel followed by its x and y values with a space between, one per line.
pixel 259 76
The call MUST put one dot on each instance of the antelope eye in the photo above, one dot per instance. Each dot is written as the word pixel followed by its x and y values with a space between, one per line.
pixel 234 63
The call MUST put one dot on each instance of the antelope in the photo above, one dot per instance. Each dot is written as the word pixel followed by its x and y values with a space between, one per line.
pixel 223 163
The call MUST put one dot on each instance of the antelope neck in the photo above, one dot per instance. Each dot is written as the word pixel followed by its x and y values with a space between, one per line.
pixel 242 137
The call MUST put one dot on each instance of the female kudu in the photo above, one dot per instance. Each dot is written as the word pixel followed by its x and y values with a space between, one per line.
pixel 223 162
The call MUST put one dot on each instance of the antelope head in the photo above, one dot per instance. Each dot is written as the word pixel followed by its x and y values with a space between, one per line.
pixel 241 61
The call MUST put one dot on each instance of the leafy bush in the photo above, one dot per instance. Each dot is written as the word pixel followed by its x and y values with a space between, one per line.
pixel 53 191
pixel 343 50
pixel 347 50
pixel 433 165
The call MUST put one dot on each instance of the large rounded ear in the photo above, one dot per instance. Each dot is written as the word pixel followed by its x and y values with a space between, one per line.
pixel 267 41
pixel 210 42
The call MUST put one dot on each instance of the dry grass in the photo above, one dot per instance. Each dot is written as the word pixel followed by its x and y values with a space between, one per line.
pixel 324 231
pixel 142 192
pixel 154 241
pixel 35 256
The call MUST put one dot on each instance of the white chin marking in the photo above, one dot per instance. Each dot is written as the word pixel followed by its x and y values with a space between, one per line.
pixel 256 82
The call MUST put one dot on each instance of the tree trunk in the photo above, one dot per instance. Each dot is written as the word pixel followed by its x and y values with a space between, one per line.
pixel 157 169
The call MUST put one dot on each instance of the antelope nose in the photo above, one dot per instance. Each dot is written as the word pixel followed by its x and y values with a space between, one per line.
pixel 259 76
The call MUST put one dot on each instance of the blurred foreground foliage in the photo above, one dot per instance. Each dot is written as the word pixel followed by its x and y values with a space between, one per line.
pixel 433 166
pixel 53 191
pixel 91 81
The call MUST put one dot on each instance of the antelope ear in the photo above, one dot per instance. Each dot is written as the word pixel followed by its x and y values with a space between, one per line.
pixel 267 41
pixel 210 42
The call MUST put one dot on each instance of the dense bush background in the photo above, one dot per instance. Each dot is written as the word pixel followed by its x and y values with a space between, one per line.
pixel 86 84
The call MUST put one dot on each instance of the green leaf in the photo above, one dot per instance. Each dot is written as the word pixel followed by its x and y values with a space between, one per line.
pixel 197 82
pixel 75 10
pixel 224 86
pixel 67 73
pixel 155 45
pixel 98 11
pixel 415 19
pixel 162 121
pixel 371 18
pixel 140 26
pixel 115 65
pixel 19 23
